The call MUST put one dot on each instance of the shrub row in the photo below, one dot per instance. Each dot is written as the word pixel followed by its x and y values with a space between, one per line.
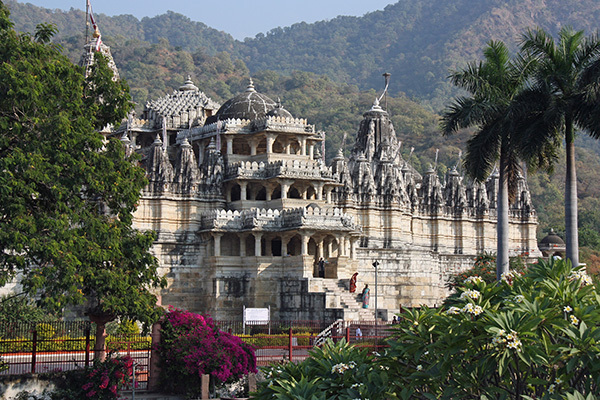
pixel 65 343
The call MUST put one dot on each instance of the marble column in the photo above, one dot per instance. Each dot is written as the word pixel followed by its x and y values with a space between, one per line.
pixel 242 245
pixel 217 241
pixel 243 192
pixel 257 244
pixel 304 241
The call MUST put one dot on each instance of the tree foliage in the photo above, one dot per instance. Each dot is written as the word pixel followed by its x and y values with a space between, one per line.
pixel 530 336
pixel 333 371
pixel 67 195
pixel 563 98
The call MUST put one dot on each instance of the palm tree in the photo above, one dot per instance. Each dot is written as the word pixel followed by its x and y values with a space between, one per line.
pixel 563 97
pixel 493 85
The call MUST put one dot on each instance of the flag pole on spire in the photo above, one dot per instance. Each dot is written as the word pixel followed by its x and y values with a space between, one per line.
pixel 96 33
pixel 87 22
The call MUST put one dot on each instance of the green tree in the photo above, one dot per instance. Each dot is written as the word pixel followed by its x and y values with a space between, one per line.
pixel 493 84
pixel 531 336
pixel 66 194
pixel 563 97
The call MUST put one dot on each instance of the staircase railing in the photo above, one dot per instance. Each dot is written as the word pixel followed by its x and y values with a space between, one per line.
pixel 338 325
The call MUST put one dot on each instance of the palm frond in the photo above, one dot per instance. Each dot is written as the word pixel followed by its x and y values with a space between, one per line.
pixel 483 150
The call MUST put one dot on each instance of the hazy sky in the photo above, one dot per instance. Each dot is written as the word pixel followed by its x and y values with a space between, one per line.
pixel 240 18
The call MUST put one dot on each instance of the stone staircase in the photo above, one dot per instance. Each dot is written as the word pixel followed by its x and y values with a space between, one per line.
pixel 338 296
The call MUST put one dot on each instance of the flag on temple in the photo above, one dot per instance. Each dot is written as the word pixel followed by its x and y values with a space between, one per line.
pixel 97 34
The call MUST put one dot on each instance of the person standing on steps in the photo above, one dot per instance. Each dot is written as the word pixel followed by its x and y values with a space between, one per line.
pixel 353 283
pixel 365 297
pixel 321 266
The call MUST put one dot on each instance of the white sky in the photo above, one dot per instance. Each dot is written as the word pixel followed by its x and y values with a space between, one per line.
pixel 240 18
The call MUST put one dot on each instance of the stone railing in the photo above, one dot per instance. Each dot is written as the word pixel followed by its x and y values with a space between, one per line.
pixel 282 124
pixel 275 220
pixel 293 169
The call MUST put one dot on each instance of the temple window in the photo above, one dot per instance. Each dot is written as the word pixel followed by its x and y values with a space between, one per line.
pixel 241 147
pixel 250 245
pixel 235 192
pixel 230 245
pixel 294 193
pixel 276 247
pixel 276 193
pixel 261 194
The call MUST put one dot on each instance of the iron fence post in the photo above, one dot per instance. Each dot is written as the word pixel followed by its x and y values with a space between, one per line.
pixel 290 345
pixel 87 346
pixel 33 351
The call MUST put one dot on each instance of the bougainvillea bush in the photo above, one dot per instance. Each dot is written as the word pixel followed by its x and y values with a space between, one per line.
pixel 103 380
pixel 191 346
pixel 534 335
pixel 334 371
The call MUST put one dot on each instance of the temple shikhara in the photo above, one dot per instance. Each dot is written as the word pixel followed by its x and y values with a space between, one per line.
pixel 245 206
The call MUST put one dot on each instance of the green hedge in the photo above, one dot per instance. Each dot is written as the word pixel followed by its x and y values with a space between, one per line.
pixel 258 341
pixel 65 343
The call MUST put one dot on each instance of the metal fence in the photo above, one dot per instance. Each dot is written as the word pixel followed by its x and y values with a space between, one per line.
pixel 60 346
pixel 29 348
pixel 294 343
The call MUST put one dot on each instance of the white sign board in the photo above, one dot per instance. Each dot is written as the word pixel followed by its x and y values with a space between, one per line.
pixel 257 316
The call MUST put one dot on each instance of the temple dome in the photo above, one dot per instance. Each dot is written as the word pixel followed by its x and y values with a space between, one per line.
pixel 279 111
pixel 247 105
pixel 552 239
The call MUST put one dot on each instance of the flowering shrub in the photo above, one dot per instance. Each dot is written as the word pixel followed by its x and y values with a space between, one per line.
pixel 103 380
pixel 530 336
pixel 334 371
pixel 108 377
pixel 192 346
pixel 484 268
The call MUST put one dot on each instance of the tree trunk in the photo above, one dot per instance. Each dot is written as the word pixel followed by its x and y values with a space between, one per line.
pixel 100 343
pixel 572 236
pixel 502 228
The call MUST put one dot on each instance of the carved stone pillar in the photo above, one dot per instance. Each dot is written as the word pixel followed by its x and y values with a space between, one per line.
pixel 242 245
pixel 304 241
pixel 284 250
pixel 257 244
pixel 217 242
pixel 319 191
pixel 328 195
pixel 319 249
pixel 353 248
pixel 270 140
pixel 285 187
pixel 243 192
pixel 311 151
pixel 303 146
pixel 341 246
pixel 253 145
pixel 229 141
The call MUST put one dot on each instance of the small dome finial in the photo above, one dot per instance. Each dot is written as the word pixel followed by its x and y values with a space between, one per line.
pixel 188 85
pixel 376 107
pixel 250 87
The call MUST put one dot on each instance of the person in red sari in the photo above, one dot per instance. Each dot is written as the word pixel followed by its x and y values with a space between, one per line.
pixel 353 283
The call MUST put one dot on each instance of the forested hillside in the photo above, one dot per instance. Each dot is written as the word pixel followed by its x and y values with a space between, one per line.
pixel 418 41
pixel 330 72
